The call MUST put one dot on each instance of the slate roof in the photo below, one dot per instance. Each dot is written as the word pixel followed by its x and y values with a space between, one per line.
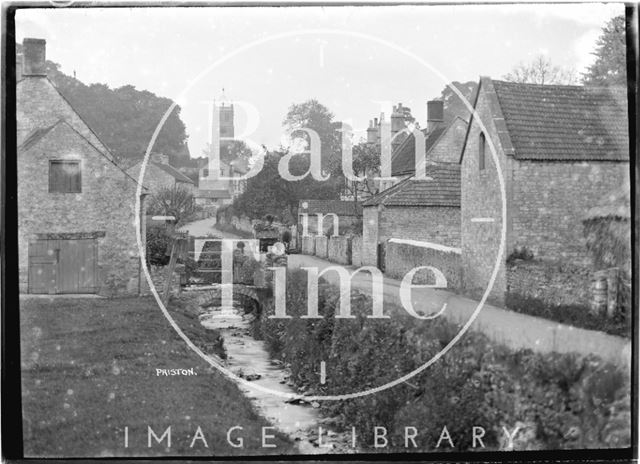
pixel 177 175
pixel 443 189
pixel 339 207
pixel 563 122
pixel 403 159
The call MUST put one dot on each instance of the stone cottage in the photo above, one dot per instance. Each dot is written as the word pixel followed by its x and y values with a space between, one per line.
pixel 76 206
pixel 560 149
pixel 415 209
pixel 159 174
pixel 426 210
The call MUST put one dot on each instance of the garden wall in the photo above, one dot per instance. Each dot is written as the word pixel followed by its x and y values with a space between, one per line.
pixel 159 277
pixel 339 249
pixel 356 250
pixel 553 283
pixel 308 245
pixel 322 243
pixel 403 255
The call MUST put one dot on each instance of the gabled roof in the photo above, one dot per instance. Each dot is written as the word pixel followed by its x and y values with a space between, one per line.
pixel 339 207
pixel 559 122
pixel 403 158
pixel 442 188
pixel 177 175
pixel 37 135
pixel 213 194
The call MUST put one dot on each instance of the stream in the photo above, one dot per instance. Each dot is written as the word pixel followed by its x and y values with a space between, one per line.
pixel 248 358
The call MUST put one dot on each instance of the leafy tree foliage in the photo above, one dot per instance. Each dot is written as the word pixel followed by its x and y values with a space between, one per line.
pixel 541 71
pixel 610 66
pixel 454 106
pixel 124 118
pixel 176 201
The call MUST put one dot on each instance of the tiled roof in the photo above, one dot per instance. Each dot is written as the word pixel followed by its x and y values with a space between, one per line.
pixel 177 175
pixel 563 122
pixel 213 194
pixel 403 159
pixel 442 189
pixel 339 207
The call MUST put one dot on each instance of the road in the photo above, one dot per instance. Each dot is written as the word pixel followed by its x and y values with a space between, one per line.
pixel 503 326
pixel 205 227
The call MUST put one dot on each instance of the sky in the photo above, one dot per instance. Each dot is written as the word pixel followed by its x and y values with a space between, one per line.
pixel 357 61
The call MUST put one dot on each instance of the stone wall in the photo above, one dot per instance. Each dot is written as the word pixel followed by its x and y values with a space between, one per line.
pixel 308 245
pixel 403 256
pixel 339 249
pixel 548 221
pixel 555 283
pixel 158 276
pixel 481 197
pixel 370 238
pixel 321 247
pixel 106 204
pixel 356 250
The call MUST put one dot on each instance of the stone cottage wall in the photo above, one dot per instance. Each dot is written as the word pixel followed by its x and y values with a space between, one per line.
pixel 429 224
pixel 550 201
pixel 321 247
pixel 403 256
pixel 308 245
pixel 106 204
pixel 370 238
pixel 356 250
pixel 482 198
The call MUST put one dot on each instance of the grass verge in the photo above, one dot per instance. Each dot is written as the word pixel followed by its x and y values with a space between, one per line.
pixel 89 370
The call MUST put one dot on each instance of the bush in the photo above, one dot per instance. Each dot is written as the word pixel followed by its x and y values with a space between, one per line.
pixel 562 401
pixel 158 246
pixel 576 315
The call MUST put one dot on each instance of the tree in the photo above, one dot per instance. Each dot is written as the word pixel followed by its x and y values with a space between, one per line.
pixel 610 66
pixel 314 115
pixel 454 106
pixel 231 151
pixel 541 71
pixel 366 163
pixel 173 201
pixel 123 118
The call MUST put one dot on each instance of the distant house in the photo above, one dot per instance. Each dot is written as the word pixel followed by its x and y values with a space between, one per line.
pixel 415 209
pixel 218 192
pixel 212 198
pixel 76 205
pixel 347 214
pixel 560 150
pixel 159 174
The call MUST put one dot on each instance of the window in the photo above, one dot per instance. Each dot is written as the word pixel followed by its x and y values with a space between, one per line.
pixel 481 149
pixel 65 176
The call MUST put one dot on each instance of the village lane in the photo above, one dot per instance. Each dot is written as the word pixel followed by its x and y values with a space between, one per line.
pixel 205 227
pixel 512 329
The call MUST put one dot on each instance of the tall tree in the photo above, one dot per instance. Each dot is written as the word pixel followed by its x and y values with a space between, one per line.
pixel 610 66
pixel 124 118
pixel 453 105
pixel 541 71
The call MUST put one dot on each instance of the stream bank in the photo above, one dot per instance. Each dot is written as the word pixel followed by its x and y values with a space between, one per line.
pixel 248 358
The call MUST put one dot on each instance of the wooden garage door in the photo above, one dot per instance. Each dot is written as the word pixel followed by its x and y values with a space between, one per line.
pixel 63 266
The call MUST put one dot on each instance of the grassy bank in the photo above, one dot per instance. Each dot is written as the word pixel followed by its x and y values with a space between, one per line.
pixel 557 401
pixel 89 370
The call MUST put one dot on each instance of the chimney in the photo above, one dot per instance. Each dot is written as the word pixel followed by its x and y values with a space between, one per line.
pixel 160 158
pixel 435 114
pixel 372 132
pixel 19 62
pixel 34 51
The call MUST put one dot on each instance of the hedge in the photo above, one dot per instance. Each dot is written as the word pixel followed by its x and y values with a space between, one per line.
pixel 559 401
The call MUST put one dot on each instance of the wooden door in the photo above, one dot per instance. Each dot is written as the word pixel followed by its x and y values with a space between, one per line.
pixel 63 266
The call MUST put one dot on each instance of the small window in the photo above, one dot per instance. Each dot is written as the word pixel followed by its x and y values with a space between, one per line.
pixel 65 176
pixel 481 151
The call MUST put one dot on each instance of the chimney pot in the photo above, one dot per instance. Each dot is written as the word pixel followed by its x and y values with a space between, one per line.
pixel 435 114
pixel 34 51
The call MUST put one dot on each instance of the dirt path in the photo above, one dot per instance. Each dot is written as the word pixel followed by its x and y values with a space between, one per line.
pixel 503 326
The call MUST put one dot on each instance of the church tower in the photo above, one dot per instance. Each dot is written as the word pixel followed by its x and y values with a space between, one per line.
pixel 225 107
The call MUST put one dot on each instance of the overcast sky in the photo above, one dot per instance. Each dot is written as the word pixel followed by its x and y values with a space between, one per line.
pixel 348 58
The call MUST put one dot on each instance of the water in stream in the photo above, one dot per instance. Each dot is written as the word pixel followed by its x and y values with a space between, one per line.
pixel 248 358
